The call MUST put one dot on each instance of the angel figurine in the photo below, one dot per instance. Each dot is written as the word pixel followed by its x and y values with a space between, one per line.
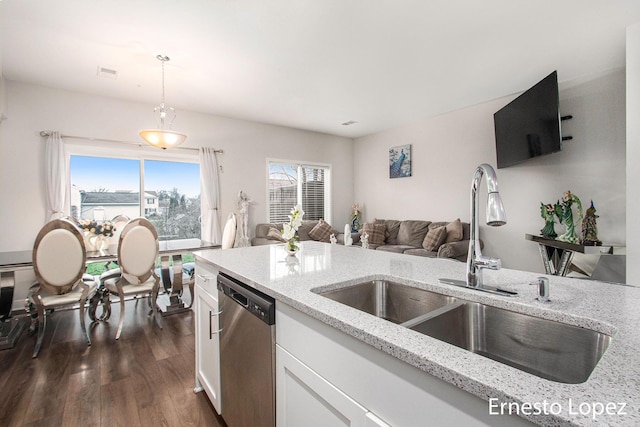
pixel 568 200
pixel 356 218
pixel 549 213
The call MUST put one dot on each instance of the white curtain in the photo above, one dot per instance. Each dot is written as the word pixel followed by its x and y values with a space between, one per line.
pixel 55 176
pixel 210 200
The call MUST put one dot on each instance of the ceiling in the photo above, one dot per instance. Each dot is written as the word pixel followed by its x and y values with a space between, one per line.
pixel 312 64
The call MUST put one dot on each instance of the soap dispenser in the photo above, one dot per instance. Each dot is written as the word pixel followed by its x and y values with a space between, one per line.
pixel 543 288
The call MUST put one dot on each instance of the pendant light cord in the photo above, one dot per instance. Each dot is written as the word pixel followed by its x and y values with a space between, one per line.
pixel 162 59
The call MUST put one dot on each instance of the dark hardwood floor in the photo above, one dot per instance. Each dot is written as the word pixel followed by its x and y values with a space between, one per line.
pixel 146 378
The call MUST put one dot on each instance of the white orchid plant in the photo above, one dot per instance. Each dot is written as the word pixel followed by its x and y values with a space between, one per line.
pixel 289 229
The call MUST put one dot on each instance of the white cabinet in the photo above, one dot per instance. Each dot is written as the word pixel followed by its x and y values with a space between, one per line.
pixel 325 374
pixel 207 334
pixel 304 398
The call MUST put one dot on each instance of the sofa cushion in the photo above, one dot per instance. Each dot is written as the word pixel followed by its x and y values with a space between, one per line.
pixel 454 231
pixel 305 228
pixel 434 238
pixel 275 234
pixel 421 252
pixel 457 250
pixel 399 249
pixel 375 230
pixel 391 227
pixel 263 229
pixel 322 231
pixel 412 233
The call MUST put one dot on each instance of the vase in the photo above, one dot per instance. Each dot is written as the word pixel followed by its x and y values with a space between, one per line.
pixel 90 241
pixel 291 247
pixel 291 251
pixel 101 242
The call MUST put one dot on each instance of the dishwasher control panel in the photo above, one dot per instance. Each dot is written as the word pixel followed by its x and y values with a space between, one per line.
pixel 257 303
pixel 259 311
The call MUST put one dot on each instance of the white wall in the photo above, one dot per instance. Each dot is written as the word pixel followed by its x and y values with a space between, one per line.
pixel 447 148
pixel 246 145
pixel 633 152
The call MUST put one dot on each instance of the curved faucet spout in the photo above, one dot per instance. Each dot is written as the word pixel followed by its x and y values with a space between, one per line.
pixel 496 216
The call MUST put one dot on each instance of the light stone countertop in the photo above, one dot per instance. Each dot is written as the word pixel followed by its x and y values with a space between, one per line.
pixel 609 308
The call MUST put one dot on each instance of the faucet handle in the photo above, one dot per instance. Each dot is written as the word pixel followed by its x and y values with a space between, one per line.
pixel 488 262
pixel 543 288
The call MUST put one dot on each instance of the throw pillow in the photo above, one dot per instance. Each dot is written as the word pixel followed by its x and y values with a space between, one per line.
pixel 434 238
pixel 454 231
pixel 412 233
pixel 274 234
pixel 322 231
pixel 375 232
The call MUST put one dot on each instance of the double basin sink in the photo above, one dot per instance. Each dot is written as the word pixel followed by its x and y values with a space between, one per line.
pixel 545 348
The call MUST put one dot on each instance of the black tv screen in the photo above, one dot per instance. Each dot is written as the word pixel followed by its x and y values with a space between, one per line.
pixel 529 126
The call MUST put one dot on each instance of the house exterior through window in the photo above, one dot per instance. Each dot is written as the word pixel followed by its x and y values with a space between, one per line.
pixel 105 187
pixel 292 183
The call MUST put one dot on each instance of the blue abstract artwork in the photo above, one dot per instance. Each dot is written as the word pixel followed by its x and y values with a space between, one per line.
pixel 400 161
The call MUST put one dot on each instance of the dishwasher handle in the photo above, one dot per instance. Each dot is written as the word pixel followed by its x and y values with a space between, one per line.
pixel 239 298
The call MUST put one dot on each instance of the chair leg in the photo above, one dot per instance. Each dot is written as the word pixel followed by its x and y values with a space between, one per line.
pixel 42 320
pixel 191 291
pixel 121 322
pixel 82 325
pixel 154 306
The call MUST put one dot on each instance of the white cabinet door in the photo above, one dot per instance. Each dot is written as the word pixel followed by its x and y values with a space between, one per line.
pixel 304 398
pixel 207 332
pixel 373 421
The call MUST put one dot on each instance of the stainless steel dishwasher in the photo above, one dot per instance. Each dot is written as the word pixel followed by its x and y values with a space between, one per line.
pixel 247 354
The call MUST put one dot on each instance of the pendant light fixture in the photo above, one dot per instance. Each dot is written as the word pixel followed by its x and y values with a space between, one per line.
pixel 163 137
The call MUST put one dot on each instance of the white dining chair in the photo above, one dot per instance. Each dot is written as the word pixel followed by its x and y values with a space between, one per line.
pixel 137 257
pixel 119 222
pixel 229 232
pixel 59 263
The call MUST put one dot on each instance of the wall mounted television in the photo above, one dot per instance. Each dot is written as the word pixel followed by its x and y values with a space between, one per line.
pixel 529 126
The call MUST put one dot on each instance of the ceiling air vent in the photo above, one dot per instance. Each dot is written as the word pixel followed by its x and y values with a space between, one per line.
pixel 107 73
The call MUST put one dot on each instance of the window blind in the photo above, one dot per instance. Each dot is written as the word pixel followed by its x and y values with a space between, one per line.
pixel 296 183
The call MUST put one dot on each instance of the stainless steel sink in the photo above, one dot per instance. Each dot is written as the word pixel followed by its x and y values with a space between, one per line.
pixel 551 350
pixel 548 349
pixel 389 300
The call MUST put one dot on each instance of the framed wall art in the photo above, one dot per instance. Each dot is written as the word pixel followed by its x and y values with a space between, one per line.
pixel 400 161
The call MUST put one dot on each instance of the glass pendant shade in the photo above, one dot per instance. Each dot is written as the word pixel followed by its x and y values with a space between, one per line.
pixel 163 137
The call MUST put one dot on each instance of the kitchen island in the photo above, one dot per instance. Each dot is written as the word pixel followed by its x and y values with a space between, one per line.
pixel 610 396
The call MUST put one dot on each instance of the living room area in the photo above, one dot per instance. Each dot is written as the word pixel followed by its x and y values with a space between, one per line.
pixel 446 149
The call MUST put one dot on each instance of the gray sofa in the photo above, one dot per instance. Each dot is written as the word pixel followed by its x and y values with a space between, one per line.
pixel 407 237
pixel 262 231
pixel 400 236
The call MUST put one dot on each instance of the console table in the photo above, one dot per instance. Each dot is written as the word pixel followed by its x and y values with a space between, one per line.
pixel 10 262
pixel 169 303
pixel 556 255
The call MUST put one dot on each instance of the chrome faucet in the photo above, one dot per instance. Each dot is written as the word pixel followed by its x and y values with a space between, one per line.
pixel 495 217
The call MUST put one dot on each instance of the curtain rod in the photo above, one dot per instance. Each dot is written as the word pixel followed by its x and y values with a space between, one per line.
pixel 46 133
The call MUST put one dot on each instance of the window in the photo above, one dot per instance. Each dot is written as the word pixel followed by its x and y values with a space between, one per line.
pixel 292 183
pixel 105 187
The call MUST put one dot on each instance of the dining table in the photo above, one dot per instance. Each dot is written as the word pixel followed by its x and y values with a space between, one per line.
pixel 172 271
